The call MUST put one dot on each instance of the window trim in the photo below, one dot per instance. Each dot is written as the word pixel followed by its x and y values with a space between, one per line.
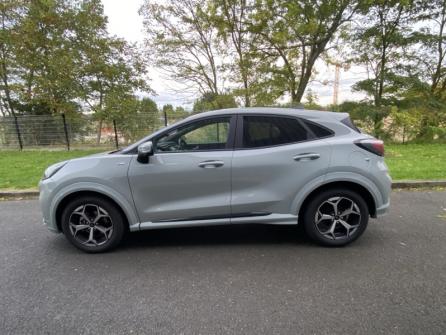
pixel 238 145
pixel 229 144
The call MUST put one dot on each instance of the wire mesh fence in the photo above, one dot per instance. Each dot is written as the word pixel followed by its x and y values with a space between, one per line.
pixel 78 131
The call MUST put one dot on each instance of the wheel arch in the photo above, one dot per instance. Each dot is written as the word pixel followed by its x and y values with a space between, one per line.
pixel 59 202
pixel 345 184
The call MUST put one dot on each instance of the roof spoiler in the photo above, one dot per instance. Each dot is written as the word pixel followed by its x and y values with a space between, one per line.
pixel 340 116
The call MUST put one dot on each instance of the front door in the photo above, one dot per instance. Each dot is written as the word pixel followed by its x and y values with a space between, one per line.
pixel 189 176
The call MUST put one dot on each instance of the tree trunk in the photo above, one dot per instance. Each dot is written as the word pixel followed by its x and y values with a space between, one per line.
pixel 304 79
pixel 247 98
pixel 98 137
pixel 7 90
pixel 101 99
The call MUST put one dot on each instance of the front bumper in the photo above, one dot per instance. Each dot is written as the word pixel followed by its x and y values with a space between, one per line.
pixel 45 201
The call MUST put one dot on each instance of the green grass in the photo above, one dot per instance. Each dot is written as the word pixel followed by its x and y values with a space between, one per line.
pixel 23 170
pixel 416 161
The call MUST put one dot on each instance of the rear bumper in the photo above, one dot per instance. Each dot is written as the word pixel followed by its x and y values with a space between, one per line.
pixel 50 227
pixel 382 210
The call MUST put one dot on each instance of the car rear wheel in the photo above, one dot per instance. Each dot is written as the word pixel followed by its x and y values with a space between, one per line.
pixel 92 224
pixel 336 217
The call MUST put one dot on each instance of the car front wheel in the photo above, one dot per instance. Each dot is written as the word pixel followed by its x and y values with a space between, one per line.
pixel 92 224
pixel 336 217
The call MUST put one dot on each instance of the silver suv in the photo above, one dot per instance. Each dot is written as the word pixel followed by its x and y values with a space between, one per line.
pixel 246 165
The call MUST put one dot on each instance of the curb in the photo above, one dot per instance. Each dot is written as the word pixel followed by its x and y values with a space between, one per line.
pixel 18 195
pixel 400 184
pixel 404 184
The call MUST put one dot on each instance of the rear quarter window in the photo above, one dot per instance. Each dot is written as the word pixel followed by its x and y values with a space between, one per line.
pixel 318 130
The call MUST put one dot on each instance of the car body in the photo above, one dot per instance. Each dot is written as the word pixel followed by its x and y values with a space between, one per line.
pixel 231 166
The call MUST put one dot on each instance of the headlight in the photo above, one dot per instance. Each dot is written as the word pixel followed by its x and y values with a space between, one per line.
pixel 52 169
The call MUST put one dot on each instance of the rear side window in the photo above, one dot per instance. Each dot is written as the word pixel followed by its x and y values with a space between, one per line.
pixel 318 131
pixel 265 131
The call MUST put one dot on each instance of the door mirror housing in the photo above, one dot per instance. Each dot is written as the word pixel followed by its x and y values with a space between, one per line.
pixel 145 150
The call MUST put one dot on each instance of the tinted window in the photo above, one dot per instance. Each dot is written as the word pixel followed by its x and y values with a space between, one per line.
pixel 210 134
pixel 318 130
pixel 264 131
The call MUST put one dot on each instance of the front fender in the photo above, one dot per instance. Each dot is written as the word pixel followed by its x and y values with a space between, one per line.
pixel 126 206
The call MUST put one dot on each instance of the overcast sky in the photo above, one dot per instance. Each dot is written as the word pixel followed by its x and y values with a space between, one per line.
pixel 124 21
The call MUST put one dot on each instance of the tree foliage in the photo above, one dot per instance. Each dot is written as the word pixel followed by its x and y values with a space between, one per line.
pixel 57 57
pixel 210 101
pixel 182 41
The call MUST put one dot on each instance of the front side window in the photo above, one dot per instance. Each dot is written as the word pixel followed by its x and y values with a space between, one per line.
pixel 265 131
pixel 204 135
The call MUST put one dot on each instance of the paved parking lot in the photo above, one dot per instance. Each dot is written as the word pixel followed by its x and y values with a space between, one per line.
pixel 229 280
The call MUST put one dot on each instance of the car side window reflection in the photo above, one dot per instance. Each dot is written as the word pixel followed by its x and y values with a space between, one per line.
pixel 204 135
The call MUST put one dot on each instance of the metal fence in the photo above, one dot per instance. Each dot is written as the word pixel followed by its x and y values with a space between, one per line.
pixel 78 131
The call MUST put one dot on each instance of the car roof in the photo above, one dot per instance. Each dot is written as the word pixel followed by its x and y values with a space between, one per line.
pixel 299 112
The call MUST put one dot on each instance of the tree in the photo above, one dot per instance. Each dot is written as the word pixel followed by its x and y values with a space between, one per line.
pixel 294 34
pixel 378 42
pixel 46 55
pixel 426 71
pixel 56 55
pixel 211 101
pixel 174 114
pixel 231 17
pixel 134 117
pixel 114 72
pixel 182 41
pixel 312 100
pixel 12 13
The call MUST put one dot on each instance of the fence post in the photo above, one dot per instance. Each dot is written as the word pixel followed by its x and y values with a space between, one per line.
pixel 66 131
pixel 19 136
pixel 116 134
pixel 165 118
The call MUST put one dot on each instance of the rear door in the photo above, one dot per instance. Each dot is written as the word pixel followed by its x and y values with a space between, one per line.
pixel 275 157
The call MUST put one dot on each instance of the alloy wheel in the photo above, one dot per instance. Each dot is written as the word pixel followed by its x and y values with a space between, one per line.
pixel 91 225
pixel 337 218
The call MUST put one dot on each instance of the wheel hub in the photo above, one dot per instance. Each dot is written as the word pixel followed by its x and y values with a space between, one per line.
pixel 337 218
pixel 91 225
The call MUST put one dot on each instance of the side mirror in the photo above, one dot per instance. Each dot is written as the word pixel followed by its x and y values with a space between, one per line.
pixel 144 151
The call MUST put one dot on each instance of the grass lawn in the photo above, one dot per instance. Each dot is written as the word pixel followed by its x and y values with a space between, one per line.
pixel 23 170
pixel 416 161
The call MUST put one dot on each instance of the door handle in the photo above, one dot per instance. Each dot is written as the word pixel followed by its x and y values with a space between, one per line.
pixel 211 164
pixel 309 156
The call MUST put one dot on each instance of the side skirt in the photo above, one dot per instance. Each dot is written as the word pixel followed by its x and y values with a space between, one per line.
pixel 277 219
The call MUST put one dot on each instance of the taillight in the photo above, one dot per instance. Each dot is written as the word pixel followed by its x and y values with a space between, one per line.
pixel 372 145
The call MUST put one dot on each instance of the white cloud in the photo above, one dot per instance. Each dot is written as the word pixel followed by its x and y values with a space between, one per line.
pixel 123 19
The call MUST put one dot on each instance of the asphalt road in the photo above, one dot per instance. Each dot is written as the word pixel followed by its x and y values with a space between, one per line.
pixel 229 280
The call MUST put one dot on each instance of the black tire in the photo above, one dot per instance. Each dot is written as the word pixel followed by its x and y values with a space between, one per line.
pixel 107 241
pixel 335 238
